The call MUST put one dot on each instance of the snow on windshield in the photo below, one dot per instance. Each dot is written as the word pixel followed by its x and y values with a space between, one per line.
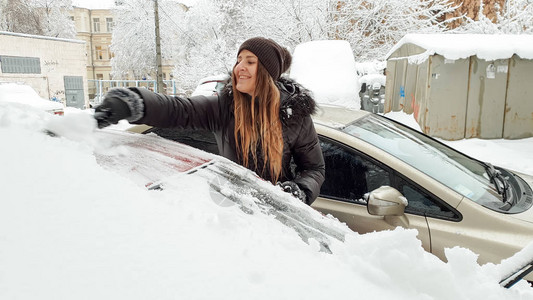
pixel 70 227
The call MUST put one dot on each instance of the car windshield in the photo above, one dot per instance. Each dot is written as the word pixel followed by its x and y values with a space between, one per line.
pixel 459 172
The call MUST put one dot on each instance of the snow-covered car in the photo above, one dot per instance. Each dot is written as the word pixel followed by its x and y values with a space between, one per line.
pixel 211 85
pixel 112 214
pixel 381 174
pixel 21 94
pixel 154 162
pixel 328 69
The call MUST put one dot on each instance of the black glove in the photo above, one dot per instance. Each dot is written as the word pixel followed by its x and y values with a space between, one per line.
pixel 292 188
pixel 118 104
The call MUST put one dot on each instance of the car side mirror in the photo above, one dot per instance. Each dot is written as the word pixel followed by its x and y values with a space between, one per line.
pixel 386 201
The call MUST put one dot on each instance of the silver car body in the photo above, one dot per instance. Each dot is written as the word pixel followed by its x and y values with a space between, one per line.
pixel 491 233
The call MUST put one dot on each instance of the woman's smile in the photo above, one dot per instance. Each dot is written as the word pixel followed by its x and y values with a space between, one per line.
pixel 246 72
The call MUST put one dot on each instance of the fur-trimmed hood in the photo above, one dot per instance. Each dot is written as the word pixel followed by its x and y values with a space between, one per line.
pixel 296 101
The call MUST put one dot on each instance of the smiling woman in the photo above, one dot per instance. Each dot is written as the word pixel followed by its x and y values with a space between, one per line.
pixel 261 120
pixel 246 72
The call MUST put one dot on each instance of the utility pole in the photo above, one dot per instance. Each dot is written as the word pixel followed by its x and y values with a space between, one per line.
pixel 159 67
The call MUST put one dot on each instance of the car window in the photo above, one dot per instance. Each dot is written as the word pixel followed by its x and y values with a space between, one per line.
pixel 423 203
pixel 220 86
pixel 349 175
pixel 453 169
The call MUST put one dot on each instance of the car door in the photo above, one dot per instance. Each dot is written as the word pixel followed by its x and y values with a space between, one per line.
pixel 350 175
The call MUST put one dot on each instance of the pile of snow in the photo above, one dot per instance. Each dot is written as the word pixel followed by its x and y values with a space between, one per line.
pixel 328 69
pixel 370 67
pixel 71 229
pixel 372 79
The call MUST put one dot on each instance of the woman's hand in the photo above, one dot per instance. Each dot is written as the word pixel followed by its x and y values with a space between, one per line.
pixel 292 188
pixel 118 104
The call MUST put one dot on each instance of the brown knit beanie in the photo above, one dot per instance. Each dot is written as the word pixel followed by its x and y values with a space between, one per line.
pixel 275 58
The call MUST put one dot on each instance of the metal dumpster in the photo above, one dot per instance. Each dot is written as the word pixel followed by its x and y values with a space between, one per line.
pixel 463 85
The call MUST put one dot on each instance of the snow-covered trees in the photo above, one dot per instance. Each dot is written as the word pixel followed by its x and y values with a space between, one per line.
pixel 133 40
pixel 210 35
pixel 202 40
pixel 373 27
pixel 514 17
pixel 40 17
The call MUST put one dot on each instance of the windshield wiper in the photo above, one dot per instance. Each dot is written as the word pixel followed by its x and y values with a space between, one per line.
pixel 494 175
pixel 501 183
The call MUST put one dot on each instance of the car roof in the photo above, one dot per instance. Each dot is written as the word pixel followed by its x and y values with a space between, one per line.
pixel 337 116
pixel 214 78
pixel 12 92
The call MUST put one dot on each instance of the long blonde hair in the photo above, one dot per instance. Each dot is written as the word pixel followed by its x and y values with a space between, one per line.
pixel 260 124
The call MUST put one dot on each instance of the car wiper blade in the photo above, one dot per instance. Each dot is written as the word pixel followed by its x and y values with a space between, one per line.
pixel 502 186
pixel 494 176
pixel 505 190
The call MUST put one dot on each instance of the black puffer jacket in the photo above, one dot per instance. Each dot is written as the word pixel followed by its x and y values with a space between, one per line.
pixel 215 113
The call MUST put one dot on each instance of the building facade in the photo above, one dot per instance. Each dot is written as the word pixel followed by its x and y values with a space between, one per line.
pixel 55 68
pixel 95 27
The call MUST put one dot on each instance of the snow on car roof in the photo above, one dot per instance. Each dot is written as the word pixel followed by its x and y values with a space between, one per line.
pixel 219 77
pixel 337 116
pixel 332 75
pixel 26 95
pixel 457 46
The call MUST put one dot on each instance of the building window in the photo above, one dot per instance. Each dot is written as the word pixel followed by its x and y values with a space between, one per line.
pixel 109 22
pixel 111 54
pixel 20 65
pixel 99 52
pixel 99 76
pixel 96 24
pixel 71 18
